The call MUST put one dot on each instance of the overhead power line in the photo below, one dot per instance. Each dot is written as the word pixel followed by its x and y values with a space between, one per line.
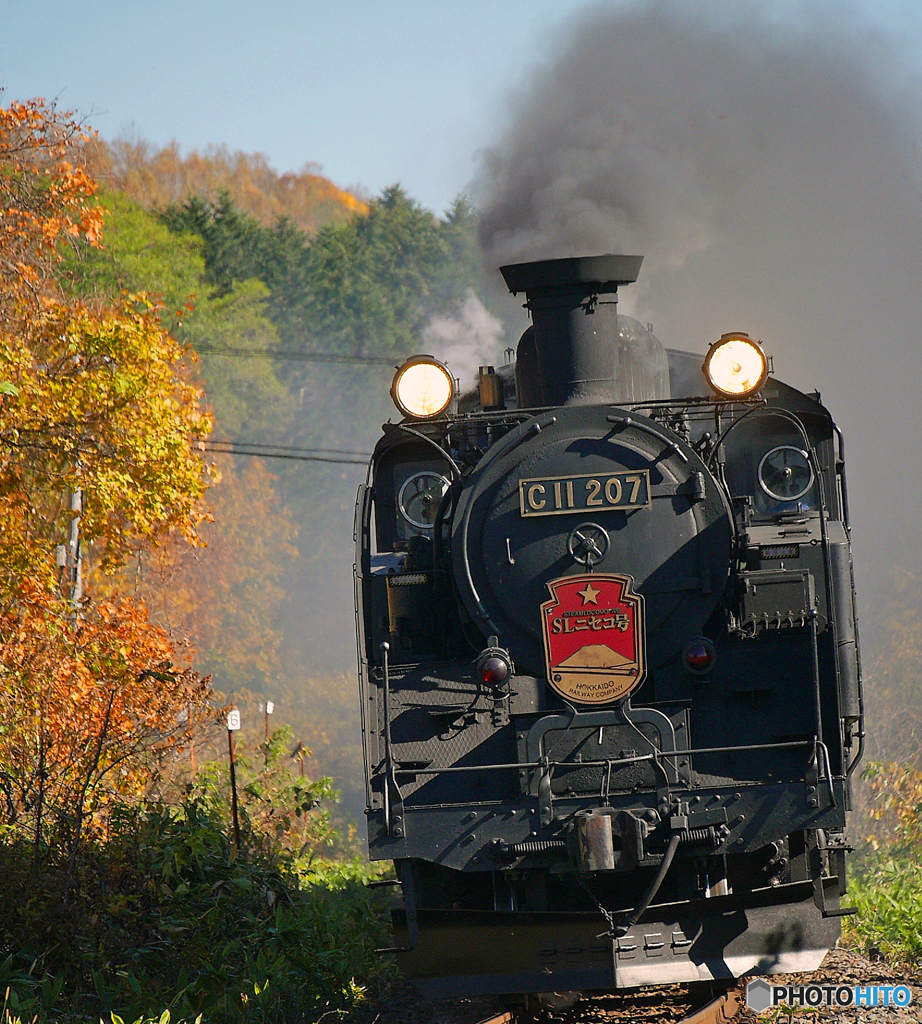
pixel 287 448
pixel 280 452
pixel 307 357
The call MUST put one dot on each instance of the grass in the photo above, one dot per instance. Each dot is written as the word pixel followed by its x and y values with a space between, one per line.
pixel 887 891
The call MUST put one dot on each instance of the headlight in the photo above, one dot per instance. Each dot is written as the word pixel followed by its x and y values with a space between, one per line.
pixel 735 365
pixel 423 388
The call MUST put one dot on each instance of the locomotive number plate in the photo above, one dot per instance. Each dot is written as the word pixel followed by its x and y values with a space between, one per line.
pixel 559 495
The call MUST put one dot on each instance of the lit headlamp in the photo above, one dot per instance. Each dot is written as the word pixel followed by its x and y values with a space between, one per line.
pixel 423 388
pixel 735 365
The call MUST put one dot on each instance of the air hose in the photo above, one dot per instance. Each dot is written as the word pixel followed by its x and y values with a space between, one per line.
pixel 628 923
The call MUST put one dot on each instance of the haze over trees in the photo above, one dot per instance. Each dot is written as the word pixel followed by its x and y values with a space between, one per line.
pixel 257 299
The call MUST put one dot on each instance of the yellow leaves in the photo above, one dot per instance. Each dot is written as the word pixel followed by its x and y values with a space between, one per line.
pixel 896 802
pixel 102 405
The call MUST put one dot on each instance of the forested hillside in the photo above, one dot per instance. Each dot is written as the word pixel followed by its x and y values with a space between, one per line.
pixel 195 357
pixel 294 337
pixel 154 178
pixel 156 323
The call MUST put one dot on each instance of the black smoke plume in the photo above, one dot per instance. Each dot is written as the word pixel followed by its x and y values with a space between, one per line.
pixel 767 166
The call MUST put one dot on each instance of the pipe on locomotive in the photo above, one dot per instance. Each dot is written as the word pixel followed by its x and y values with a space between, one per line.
pixel 574 353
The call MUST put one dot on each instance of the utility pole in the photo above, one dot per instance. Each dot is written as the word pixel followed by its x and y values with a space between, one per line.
pixel 270 707
pixel 68 556
pixel 76 560
pixel 267 710
pixel 233 724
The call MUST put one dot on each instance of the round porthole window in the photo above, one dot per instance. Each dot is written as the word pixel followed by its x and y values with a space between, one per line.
pixel 785 473
pixel 419 498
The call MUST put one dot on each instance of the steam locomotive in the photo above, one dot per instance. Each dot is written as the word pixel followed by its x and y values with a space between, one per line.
pixel 609 674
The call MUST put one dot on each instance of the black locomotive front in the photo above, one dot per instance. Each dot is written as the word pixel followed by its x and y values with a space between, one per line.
pixel 609 671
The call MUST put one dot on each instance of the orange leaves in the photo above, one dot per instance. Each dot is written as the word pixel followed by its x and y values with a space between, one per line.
pixel 158 177
pixel 85 701
pixel 43 196
pixel 98 423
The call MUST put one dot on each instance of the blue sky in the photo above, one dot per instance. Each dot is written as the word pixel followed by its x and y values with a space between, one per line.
pixel 374 92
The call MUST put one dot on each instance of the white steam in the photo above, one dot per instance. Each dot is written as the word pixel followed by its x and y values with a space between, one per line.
pixel 469 339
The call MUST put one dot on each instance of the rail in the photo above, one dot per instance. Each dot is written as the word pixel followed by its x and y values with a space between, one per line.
pixel 719 1010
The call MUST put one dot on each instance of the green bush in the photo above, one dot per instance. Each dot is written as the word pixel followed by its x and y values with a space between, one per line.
pixel 888 894
pixel 887 879
pixel 166 912
pixel 236 938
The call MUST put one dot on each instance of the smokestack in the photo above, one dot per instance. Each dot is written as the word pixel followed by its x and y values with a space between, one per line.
pixel 574 354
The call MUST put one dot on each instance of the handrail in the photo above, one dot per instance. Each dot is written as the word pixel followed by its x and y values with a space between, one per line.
pixel 606 761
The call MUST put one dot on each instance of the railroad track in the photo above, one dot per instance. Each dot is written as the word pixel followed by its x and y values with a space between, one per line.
pixel 659 1007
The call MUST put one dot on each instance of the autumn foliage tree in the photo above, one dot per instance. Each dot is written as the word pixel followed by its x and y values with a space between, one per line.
pixel 99 424
pixel 44 197
pixel 85 702
pixel 158 176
